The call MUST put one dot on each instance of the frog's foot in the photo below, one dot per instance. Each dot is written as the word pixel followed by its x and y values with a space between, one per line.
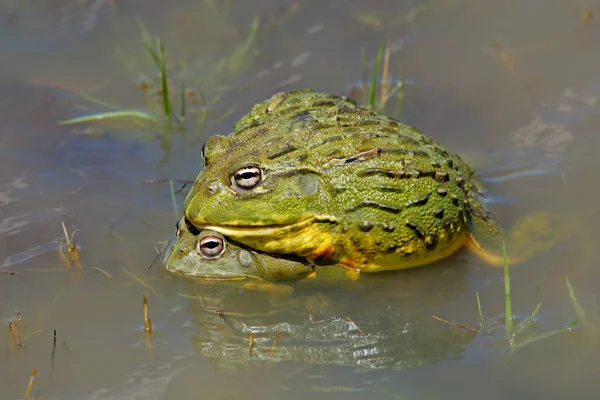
pixel 529 236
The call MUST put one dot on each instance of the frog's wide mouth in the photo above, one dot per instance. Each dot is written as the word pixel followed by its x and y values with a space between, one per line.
pixel 264 231
pixel 214 277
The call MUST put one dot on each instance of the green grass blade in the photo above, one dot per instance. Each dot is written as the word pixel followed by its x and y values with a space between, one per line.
pixel 164 84
pixel 97 101
pixel 107 116
pixel 546 335
pixel 182 101
pixel 480 311
pixel 581 314
pixel 507 297
pixel 375 75
pixel 147 39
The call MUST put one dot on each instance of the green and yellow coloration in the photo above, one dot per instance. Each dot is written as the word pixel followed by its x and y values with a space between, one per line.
pixel 315 175
pixel 208 255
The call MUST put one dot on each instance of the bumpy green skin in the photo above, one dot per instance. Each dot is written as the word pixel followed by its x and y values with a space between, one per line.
pixel 340 183
pixel 182 258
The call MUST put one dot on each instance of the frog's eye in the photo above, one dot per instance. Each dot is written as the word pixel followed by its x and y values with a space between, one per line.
pixel 210 246
pixel 247 177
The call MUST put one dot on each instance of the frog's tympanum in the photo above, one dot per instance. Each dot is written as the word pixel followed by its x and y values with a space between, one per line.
pixel 316 176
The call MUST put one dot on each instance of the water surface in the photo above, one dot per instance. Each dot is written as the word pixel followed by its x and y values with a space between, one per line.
pixel 512 85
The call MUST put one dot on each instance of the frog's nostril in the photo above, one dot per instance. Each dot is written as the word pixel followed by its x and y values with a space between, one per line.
pixel 213 187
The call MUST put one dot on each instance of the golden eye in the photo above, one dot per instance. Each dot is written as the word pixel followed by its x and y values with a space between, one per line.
pixel 247 177
pixel 210 246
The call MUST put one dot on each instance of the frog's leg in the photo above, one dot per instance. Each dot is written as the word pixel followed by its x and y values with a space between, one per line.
pixel 336 273
pixel 530 235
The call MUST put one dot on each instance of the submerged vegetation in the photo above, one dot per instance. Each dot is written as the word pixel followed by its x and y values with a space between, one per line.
pixel 518 333
pixel 175 98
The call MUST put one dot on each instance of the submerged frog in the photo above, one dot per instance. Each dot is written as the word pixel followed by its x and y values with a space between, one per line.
pixel 209 255
pixel 315 175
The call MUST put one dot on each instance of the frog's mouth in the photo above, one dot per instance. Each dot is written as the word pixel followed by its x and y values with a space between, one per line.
pixel 234 230
pixel 209 277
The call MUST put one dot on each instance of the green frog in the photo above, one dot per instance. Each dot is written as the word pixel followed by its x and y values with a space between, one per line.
pixel 317 176
pixel 209 255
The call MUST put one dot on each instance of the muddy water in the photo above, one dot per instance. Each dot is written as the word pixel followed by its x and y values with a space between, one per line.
pixel 512 85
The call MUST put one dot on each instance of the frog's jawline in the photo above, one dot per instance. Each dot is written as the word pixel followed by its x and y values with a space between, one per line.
pixel 219 278
pixel 265 230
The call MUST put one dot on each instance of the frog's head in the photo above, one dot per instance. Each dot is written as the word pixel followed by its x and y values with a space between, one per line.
pixel 263 191
pixel 208 255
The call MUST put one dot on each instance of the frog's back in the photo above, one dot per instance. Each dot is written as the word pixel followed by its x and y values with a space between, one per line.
pixel 397 198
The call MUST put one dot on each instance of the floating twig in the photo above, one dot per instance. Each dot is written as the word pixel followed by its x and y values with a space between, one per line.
pixel 30 383
pixel 275 337
pixel 356 326
pixel 147 321
pixel 311 317
pixel 455 325
pixel 53 349
pixel 109 276
pixel 251 344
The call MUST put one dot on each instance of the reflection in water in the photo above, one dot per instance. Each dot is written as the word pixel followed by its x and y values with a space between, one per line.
pixel 372 323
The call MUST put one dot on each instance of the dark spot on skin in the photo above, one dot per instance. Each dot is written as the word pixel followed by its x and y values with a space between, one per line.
pixel 439 212
pixel 324 104
pixel 449 162
pixel 447 222
pixel 442 191
pixel 461 215
pixel 285 150
pixel 355 241
pixel 391 248
pixel 441 176
pixel 365 226
pixel 426 172
pixel 455 200
pixel 390 173
pixel 436 164
pixel 416 228
pixel 302 157
pixel 387 188
pixel 419 201
pixel 388 227
pixel 373 204
pixel 303 116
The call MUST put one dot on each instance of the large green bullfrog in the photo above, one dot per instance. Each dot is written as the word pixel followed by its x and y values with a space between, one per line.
pixel 317 176
pixel 209 255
